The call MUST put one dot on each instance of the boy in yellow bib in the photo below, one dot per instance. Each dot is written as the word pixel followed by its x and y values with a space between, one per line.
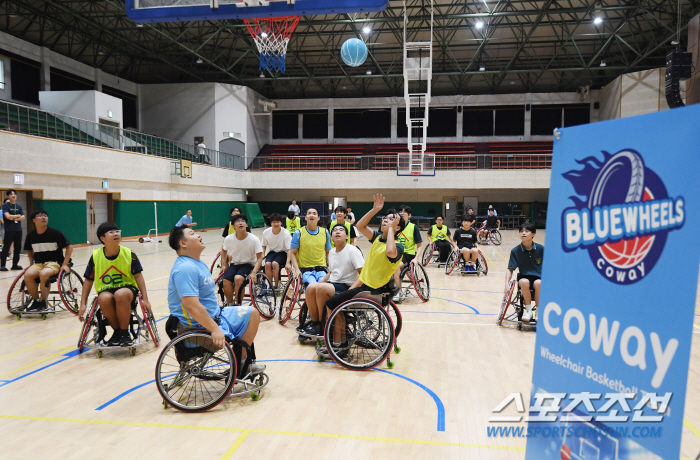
pixel 116 273
pixel 293 223
pixel 439 235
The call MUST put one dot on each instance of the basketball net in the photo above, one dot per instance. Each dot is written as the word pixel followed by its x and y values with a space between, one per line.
pixel 271 36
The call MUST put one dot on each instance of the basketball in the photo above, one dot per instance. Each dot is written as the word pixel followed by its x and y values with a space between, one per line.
pixel 354 52
pixel 565 452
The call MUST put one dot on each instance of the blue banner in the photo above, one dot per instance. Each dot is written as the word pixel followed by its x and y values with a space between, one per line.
pixel 619 282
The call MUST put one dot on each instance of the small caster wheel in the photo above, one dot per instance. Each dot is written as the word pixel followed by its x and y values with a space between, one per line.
pixel 19 316
pixel 301 342
pixel 140 240
pixel 321 358
pixel 99 353
pixel 43 316
pixel 133 351
pixel 520 327
pixel 397 349
pixel 255 396
pixel 390 364
pixel 165 404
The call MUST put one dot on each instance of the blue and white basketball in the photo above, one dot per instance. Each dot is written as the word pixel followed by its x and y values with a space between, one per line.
pixel 354 52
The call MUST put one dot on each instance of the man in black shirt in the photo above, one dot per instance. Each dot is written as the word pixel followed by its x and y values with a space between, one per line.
pixel 13 215
pixel 465 238
pixel 44 246
pixel 491 222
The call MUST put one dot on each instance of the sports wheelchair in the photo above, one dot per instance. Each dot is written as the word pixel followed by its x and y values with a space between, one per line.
pixel 516 314
pixel 431 256
pixel 193 375
pixel 65 296
pixel 494 235
pixel 261 294
pixel 370 324
pixel 418 280
pixel 293 297
pixel 456 260
pixel 142 328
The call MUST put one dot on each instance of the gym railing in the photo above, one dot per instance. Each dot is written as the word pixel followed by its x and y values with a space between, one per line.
pixel 29 120
pixel 388 162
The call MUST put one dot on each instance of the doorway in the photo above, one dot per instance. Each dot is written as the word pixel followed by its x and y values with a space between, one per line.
pixel 99 210
pixel 449 209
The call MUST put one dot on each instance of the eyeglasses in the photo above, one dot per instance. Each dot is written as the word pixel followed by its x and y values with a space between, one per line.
pixel 114 232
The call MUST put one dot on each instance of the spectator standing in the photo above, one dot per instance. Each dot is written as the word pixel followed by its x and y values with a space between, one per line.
pixel 294 207
pixel 13 215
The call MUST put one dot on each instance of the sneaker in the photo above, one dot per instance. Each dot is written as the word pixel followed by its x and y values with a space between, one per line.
pixel 125 340
pixel 16 267
pixel 37 305
pixel 256 369
pixel 114 340
pixel 3 269
pixel 397 298
pixel 527 316
pixel 314 329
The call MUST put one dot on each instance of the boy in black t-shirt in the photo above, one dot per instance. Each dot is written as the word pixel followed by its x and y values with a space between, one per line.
pixel 44 246
pixel 492 221
pixel 13 215
pixel 465 238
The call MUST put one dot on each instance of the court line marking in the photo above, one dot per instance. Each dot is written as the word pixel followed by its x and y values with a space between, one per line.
pixel 63 350
pixel 68 355
pixel 460 303
pixel 450 323
pixel 691 427
pixel 39 344
pixel 436 398
pixel 13 324
pixel 241 430
pixel 236 445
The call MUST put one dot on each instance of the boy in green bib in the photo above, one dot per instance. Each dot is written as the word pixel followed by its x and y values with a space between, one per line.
pixel 439 235
pixel 116 273
pixel 341 218
pixel 293 223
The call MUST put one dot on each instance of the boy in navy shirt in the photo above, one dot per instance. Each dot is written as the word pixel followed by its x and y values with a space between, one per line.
pixel 527 258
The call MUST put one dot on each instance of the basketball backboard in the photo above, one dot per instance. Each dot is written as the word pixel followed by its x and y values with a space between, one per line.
pixel 415 164
pixel 143 11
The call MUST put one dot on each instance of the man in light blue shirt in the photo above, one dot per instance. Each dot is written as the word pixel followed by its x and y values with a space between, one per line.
pixel 186 220
pixel 192 297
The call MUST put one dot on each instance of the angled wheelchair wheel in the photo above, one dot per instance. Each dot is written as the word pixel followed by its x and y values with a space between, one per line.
pixel 193 375
pixel 17 297
pixel 504 304
pixel 92 333
pixel 70 288
pixel 495 237
pixel 421 283
pixel 452 262
pixel 483 267
pixel 215 268
pixel 262 295
pixel 150 321
pixel 395 315
pixel 303 314
pixel 366 334
pixel 427 255
pixel 288 300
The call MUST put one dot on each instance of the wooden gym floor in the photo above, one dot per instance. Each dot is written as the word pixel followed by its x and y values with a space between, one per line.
pixel 455 366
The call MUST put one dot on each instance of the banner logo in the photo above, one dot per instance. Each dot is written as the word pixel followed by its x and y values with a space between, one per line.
pixel 625 218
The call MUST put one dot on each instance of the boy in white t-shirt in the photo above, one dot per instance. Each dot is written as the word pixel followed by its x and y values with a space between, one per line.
pixel 244 251
pixel 345 263
pixel 278 240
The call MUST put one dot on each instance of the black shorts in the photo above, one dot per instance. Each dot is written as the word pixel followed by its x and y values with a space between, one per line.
pixel 131 288
pixel 407 258
pixel 532 279
pixel 489 228
pixel 237 270
pixel 462 246
pixel 279 257
pixel 340 287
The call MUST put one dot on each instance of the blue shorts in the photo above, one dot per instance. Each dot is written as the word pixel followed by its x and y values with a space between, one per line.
pixel 234 320
pixel 312 276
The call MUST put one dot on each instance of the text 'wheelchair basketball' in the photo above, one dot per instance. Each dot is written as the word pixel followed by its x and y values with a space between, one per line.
pixel 625 219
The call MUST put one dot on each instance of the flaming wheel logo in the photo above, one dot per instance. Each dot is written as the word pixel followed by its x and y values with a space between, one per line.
pixel 625 218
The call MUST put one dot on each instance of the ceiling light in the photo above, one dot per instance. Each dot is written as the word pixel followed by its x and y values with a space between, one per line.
pixel 366 30
pixel 674 42
pixel 139 25
pixel 199 61
pixel 479 24
pixel 369 72
pixel 101 53
pixel 344 87
pixel 512 83
pixel 482 68
pixel 263 34
pixel 262 74
pixel 598 21
pixel 602 63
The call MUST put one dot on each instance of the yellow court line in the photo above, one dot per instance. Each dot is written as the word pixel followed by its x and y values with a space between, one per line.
pixel 37 362
pixel 12 324
pixel 691 427
pixel 246 432
pixel 235 445
pixel 487 256
pixel 39 344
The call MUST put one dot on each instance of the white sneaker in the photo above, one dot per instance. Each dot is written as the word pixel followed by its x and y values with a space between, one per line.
pixel 527 316
pixel 256 369
pixel 397 298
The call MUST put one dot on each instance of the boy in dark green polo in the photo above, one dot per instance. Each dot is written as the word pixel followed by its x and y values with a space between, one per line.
pixel 527 258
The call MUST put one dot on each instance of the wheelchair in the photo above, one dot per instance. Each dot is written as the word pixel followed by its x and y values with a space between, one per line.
pixel 215 268
pixel 494 235
pixel 418 280
pixel 65 296
pixel 431 256
pixel 370 322
pixel 456 260
pixel 261 294
pixel 293 297
pixel 193 375
pixel 516 314
pixel 142 328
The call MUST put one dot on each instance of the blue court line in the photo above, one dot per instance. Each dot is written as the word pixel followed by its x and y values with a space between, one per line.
pixel 436 398
pixel 448 313
pixel 460 303
pixel 466 290
pixel 68 355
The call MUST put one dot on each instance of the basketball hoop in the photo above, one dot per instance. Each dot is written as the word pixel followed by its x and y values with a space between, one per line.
pixel 271 36
pixel 415 173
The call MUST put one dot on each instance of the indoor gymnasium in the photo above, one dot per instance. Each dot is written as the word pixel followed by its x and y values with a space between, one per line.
pixel 280 229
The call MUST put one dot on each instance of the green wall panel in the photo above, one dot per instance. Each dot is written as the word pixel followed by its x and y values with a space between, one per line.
pixel 70 217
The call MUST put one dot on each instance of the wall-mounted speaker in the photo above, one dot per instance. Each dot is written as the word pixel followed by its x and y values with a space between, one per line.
pixel 678 67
